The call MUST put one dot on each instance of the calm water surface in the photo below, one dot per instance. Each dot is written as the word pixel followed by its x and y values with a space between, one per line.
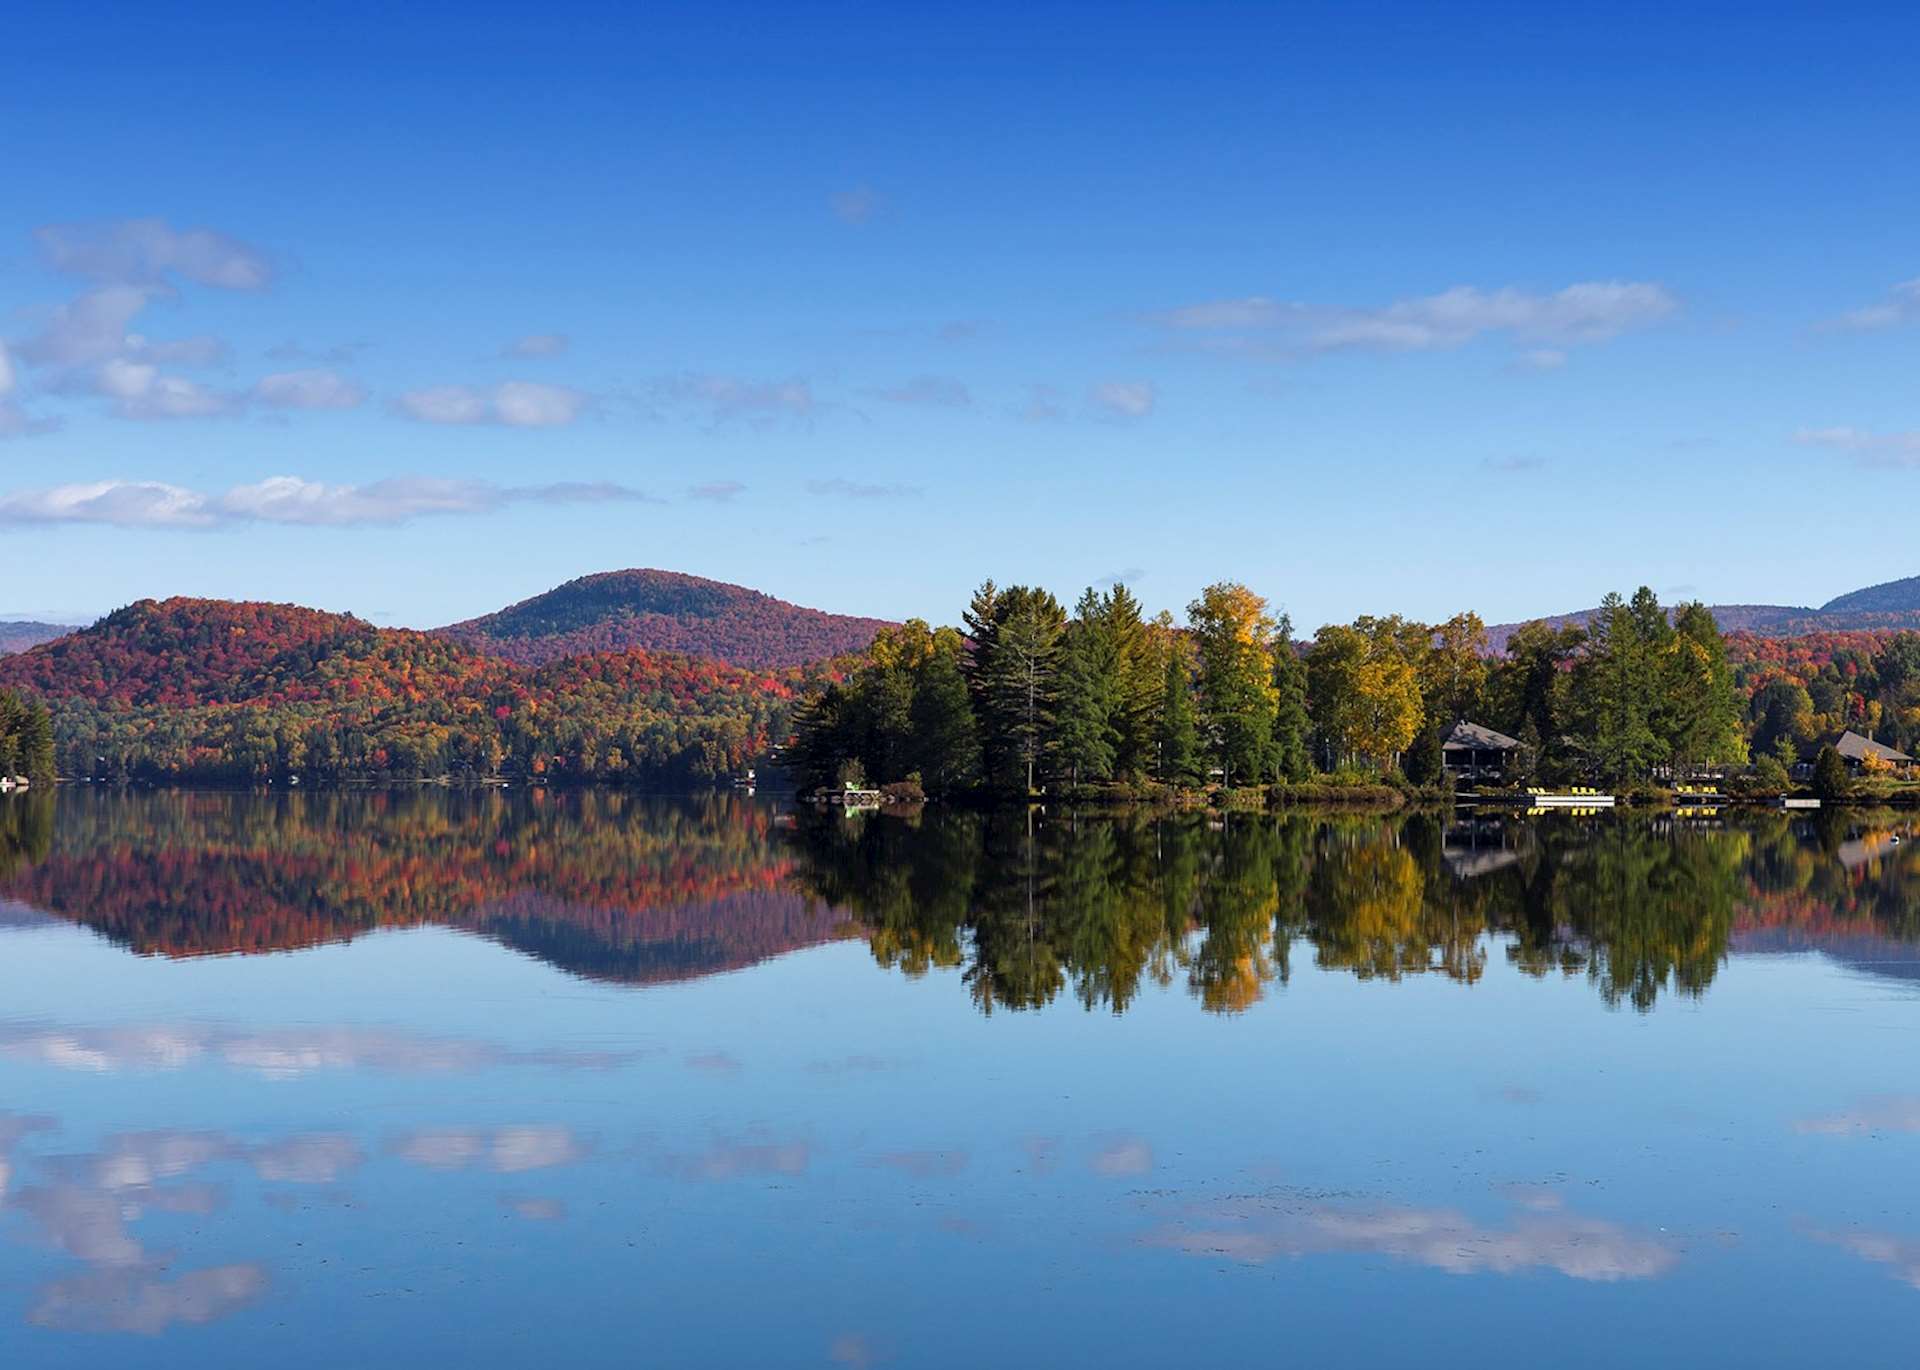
pixel 327 1080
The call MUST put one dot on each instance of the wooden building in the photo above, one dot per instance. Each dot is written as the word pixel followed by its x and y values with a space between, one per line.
pixel 1477 753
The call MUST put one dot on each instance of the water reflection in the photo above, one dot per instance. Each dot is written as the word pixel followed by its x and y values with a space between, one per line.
pixel 1255 1229
pixel 272 1053
pixel 1029 906
pixel 330 1151
pixel 605 885
pixel 1881 1248
pixel 85 1206
pixel 1025 907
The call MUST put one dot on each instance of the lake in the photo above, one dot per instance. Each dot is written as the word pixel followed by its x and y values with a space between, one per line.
pixel 492 1079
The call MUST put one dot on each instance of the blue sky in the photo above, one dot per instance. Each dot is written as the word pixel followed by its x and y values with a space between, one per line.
pixel 1374 307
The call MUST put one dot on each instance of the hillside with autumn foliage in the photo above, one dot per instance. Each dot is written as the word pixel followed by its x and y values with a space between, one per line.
pixel 215 690
pixel 605 885
pixel 664 611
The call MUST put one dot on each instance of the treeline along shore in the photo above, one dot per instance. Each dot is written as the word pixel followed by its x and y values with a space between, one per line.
pixel 1025 697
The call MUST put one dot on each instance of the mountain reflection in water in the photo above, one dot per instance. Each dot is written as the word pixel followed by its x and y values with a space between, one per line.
pixel 1157 1089
pixel 1027 907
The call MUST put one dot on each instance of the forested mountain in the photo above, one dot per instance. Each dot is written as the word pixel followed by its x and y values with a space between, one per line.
pixel 16 635
pixel 1892 606
pixel 1895 596
pixel 664 611
pixel 209 689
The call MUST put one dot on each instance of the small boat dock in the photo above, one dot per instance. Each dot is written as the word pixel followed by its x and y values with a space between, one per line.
pixel 1538 797
pixel 849 798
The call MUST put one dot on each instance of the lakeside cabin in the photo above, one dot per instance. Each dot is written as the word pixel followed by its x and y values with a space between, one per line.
pixel 1855 751
pixel 1473 752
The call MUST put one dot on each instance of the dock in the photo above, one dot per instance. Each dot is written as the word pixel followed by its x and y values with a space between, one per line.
pixel 849 798
pixel 1535 797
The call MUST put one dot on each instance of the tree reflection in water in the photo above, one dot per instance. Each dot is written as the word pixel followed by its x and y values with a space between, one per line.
pixel 1024 905
pixel 1029 904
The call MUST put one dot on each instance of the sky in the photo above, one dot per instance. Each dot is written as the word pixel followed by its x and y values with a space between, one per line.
pixel 416 311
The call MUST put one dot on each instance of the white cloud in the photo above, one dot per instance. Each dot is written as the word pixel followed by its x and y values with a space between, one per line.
pixel 719 491
pixel 855 206
pixel 203 350
pixel 89 328
pixel 514 404
pixel 123 504
pixel 506 1151
pixel 14 421
pixel 1889 1113
pixel 732 1158
pixel 526 404
pixel 934 392
pixel 1585 312
pixel 734 397
pixel 1252 311
pixel 536 345
pixel 87 343
pixel 1123 1156
pixel 340 354
pixel 924 1165
pixel 140 390
pixel 1865 446
pixel 537 1210
pixel 1045 404
pixel 1125 399
pixel 314 389
pixel 1579 1248
pixel 1882 1249
pixel 1901 306
pixel 143 1301
pixel 307 1158
pixel 445 404
pixel 275 1054
pixel 1513 465
pixel 289 500
pixel 848 489
pixel 146 250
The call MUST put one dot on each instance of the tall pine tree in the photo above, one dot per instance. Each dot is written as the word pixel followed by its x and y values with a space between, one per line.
pixel 1179 738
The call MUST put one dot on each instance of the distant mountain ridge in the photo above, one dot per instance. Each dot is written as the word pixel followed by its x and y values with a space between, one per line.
pixel 664 611
pixel 1892 606
pixel 16 635
pixel 1895 596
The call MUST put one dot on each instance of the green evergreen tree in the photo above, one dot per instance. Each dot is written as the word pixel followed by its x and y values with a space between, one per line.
pixel 1087 695
pixel 1139 677
pixel 1425 761
pixel 1830 778
pixel 1017 680
pixel 1290 723
pixel 946 743
pixel 1618 683
pixel 1703 714
pixel 1179 739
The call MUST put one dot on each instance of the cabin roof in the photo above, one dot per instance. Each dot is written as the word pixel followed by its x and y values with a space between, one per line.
pixel 1854 747
pixel 1477 737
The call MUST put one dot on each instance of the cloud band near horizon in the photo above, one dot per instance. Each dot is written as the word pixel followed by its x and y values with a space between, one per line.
pixel 290 501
